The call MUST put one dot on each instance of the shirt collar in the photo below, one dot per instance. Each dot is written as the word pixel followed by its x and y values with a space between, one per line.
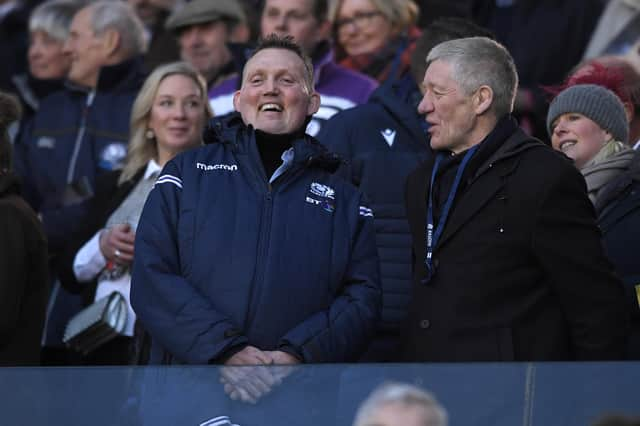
pixel 153 168
pixel 287 159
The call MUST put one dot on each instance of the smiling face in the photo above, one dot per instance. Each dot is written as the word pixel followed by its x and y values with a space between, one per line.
pixel 47 60
pixel 447 109
pixel 177 115
pixel 274 97
pixel 361 28
pixel 88 52
pixel 578 137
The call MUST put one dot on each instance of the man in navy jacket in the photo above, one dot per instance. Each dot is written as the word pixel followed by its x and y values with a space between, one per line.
pixel 82 131
pixel 78 134
pixel 249 251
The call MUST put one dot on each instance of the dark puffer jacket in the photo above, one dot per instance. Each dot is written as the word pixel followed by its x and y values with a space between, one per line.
pixel 382 142
pixel 75 136
pixel 224 258
pixel 618 209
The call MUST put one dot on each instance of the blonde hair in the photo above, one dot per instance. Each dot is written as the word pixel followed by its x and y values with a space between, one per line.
pixel 141 148
pixel 401 13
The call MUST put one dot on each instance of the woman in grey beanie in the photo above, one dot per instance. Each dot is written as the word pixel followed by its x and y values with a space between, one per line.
pixel 588 123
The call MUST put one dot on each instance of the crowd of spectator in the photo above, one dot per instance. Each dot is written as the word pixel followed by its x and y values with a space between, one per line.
pixel 110 91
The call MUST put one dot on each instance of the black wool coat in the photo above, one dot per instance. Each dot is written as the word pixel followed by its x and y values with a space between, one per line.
pixel 23 277
pixel 520 271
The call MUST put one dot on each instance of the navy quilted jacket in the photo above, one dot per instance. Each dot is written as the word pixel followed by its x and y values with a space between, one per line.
pixel 382 142
pixel 223 258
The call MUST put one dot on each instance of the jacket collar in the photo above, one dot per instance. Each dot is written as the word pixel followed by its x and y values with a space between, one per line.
pixel 121 76
pixel 308 152
pixel 619 186
pixel 480 191
pixel 32 89
pixel 400 99
pixel 511 144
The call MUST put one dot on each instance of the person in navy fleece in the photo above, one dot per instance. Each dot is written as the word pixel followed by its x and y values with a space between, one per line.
pixel 250 251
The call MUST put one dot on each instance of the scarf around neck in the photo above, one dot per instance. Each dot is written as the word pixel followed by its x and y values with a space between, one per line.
pixel 612 160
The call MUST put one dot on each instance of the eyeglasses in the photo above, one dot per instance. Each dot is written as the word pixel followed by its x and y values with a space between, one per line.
pixel 359 20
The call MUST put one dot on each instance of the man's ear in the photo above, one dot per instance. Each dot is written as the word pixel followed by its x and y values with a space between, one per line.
pixel 111 41
pixel 314 104
pixel 483 99
pixel 236 100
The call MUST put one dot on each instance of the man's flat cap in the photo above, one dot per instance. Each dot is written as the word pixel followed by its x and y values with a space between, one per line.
pixel 201 11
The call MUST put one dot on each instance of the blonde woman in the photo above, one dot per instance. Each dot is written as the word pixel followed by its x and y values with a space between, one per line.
pixel 168 117
pixel 375 37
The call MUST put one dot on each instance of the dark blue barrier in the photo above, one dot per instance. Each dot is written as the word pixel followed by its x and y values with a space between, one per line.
pixel 538 394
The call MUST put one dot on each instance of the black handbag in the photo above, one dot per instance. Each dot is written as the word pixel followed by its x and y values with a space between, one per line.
pixel 97 324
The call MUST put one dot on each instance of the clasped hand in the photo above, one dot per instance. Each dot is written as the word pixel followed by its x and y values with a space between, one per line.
pixel 116 243
pixel 252 373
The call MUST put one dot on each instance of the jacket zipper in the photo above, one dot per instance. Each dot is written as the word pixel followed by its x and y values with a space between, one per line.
pixel 83 128
pixel 265 238
pixel 263 251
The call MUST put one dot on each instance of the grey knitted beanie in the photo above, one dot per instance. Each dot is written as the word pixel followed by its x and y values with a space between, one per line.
pixel 595 102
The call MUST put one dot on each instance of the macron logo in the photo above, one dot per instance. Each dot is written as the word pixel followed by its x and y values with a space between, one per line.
pixel 228 167
pixel 389 135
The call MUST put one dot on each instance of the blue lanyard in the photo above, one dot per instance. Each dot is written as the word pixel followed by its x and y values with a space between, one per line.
pixel 433 234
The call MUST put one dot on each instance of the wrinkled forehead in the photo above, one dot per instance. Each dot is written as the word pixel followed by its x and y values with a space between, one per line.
pixel 82 19
pixel 439 72
pixel 274 60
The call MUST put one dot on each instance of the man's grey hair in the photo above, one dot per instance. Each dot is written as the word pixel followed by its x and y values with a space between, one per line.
pixel 401 393
pixel 119 16
pixel 478 61
pixel 54 18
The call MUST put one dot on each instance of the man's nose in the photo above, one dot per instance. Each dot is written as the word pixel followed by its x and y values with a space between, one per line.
pixel 425 106
pixel 271 87
pixel 66 47
pixel 191 36
pixel 33 52
pixel 281 23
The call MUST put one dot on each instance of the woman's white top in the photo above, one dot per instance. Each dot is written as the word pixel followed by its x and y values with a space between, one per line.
pixel 89 263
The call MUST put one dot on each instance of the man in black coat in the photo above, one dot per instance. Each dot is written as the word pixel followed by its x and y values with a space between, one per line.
pixel 508 263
